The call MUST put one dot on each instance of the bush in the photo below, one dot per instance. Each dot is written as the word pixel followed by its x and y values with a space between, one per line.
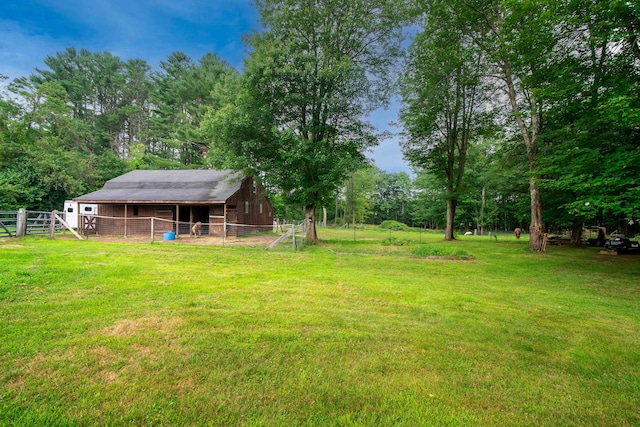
pixel 425 251
pixel 394 241
pixel 394 225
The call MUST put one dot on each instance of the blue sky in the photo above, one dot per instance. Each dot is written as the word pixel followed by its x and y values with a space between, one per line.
pixel 30 30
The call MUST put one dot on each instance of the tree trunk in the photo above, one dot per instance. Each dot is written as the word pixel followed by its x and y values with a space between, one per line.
pixel 482 206
pixel 324 217
pixel 529 137
pixel 451 214
pixel 354 219
pixel 576 233
pixel 310 219
pixel 536 233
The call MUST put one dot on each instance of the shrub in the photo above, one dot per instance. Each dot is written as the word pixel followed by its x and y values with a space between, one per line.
pixel 461 254
pixel 394 241
pixel 425 251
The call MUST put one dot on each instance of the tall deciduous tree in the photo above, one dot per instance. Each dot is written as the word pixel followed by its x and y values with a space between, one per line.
pixel 393 193
pixel 358 194
pixel 592 156
pixel 314 72
pixel 517 38
pixel 443 97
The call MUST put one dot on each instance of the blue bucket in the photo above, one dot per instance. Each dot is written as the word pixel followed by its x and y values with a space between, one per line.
pixel 169 235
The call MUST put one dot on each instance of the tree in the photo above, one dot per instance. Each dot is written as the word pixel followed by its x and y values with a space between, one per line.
pixel 106 94
pixel 318 67
pixel 517 39
pixel 184 92
pixel 358 193
pixel 442 94
pixel 591 156
pixel 393 193
pixel 430 201
pixel 47 153
pixel 135 108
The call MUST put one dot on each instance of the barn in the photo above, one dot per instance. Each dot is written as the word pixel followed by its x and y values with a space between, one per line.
pixel 140 202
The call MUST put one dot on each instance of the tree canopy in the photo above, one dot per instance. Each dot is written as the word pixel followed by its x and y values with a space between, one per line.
pixel 443 98
pixel 314 72
pixel 517 113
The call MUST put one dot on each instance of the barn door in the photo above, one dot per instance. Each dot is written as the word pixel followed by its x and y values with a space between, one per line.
pixel 201 214
pixel 184 226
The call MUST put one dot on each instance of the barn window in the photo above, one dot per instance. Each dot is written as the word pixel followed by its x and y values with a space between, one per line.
pixel 135 211
pixel 260 208
pixel 254 189
pixel 246 207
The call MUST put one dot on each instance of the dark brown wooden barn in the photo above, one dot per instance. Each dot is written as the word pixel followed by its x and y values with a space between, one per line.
pixel 225 202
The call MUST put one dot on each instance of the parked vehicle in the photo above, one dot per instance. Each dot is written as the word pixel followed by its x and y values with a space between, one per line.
pixel 72 210
pixel 621 244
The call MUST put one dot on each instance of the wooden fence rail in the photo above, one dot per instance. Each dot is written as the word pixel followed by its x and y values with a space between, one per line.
pixel 24 223
pixel 8 223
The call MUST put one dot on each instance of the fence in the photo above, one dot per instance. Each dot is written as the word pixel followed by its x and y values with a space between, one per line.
pixel 153 227
pixel 24 223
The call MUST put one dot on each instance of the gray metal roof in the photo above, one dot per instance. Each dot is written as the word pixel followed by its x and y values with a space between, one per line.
pixel 168 186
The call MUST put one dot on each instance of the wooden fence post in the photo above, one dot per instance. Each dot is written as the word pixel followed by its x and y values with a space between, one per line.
pixel 52 225
pixel 21 223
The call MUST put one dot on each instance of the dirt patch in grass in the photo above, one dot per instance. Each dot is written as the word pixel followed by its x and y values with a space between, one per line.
pixel 128 327
pixel 109 377
pixel 103 355
pixel 42 365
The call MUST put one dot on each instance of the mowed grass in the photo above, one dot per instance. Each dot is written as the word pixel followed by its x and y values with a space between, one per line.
pixel 343 333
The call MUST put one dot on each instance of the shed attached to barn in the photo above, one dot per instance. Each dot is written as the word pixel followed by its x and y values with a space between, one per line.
pixel 225 202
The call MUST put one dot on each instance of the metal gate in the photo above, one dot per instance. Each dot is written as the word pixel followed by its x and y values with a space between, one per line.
pixel 25 223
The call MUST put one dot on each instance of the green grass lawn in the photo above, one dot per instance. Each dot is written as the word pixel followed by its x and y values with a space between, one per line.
pixel 343 333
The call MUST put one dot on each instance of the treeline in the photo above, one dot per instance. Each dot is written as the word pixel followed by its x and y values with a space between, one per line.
pixel 555 83
pixel 521 113
pixel 488 203
pixel 89 117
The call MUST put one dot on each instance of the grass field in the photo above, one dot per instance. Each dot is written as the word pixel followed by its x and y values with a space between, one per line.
pixel 344 333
